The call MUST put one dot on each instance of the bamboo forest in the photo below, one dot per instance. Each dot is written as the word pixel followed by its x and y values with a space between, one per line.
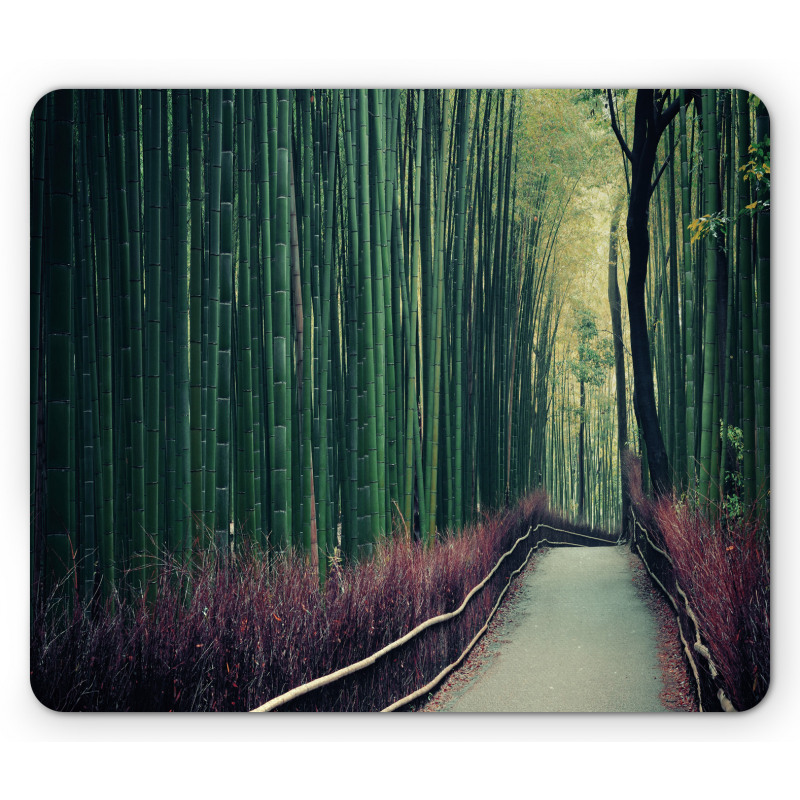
pixel 314 373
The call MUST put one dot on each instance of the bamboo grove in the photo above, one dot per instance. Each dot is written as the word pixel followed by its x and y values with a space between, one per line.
pixel 708 298
pixel 283 319
pixel 707 309
pixel 307 320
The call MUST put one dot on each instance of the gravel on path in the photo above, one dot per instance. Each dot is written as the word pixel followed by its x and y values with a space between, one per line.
pixel 580 638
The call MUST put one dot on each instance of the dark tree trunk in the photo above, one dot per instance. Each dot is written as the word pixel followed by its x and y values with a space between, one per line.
pixel 650 121
pixel 615 304
pixel 643 388
pixel 581 472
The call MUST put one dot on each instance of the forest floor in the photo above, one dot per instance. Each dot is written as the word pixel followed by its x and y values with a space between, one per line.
pixel 583 630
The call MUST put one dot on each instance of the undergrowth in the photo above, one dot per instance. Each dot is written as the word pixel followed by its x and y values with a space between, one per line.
pixel 723 566
pixel 255 627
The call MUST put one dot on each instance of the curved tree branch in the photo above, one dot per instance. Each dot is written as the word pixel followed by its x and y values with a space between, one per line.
pixel 615 127
pixel 674 107
pixel 660 173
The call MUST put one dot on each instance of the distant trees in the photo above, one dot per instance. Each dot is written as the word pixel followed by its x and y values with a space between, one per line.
pixel 594 358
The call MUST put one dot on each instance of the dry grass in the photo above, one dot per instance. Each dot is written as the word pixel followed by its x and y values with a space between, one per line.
pixel 256 627
pixel 722 564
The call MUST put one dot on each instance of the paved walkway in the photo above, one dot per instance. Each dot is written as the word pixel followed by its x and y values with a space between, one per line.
pixel 578 639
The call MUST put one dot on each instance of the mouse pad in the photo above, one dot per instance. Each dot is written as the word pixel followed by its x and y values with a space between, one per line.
pixel 400 400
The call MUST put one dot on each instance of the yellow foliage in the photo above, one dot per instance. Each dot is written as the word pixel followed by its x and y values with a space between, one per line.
pixel 698 228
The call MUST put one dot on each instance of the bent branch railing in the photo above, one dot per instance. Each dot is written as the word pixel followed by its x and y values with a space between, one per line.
pixel 707 679
pixel 327 680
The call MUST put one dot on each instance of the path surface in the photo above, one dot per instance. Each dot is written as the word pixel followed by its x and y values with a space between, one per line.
pixel 578 639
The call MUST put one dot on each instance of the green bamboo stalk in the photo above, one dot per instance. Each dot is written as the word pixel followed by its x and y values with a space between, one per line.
pixel 257 298
pixel 212 304
pixel 100 214
pixel 677 386
pixel 87 435
pixel 709 438
pixel 282 326
pixel 689 306
pixel 168 461
pixel 222 508
pixel 182 535
pixel 743 238
pixel 413 445
pixel 352 520
pixel 384 352
pixel 265 192
pixel 153 443
pixel 370 529
pixel 327 535
pixel 60 349
pixel 458 358
pixel 728 365
pixel 133 191
pixel 311 318
pixel 195 320
pixel 432 451
pixel 37 319
pixel 395 247
pixel 247 493
pixel 763 296
pixel 121 335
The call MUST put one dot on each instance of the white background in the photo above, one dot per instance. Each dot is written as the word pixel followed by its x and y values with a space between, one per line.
pixel 500 44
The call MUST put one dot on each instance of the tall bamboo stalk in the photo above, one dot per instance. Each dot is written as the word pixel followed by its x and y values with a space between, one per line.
pixel 709 439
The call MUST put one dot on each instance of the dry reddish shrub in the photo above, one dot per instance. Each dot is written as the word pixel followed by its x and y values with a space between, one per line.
pixel 723 566
pixel 251 629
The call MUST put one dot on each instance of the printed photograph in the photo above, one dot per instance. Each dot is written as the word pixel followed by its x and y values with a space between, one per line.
pixel 415 400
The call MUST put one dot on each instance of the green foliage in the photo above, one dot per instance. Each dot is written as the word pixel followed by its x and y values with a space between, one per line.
pixel 708 225
pixel 732 503
pixel 553 140
pixel 734 439
pixel 594 357
pixel 758 167
pixel 756 171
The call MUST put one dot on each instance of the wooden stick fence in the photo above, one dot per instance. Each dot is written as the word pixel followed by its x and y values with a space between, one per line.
pixel 698 646
pixel 326 680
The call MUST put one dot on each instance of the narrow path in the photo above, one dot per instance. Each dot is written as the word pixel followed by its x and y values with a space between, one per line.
pixel 578 639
